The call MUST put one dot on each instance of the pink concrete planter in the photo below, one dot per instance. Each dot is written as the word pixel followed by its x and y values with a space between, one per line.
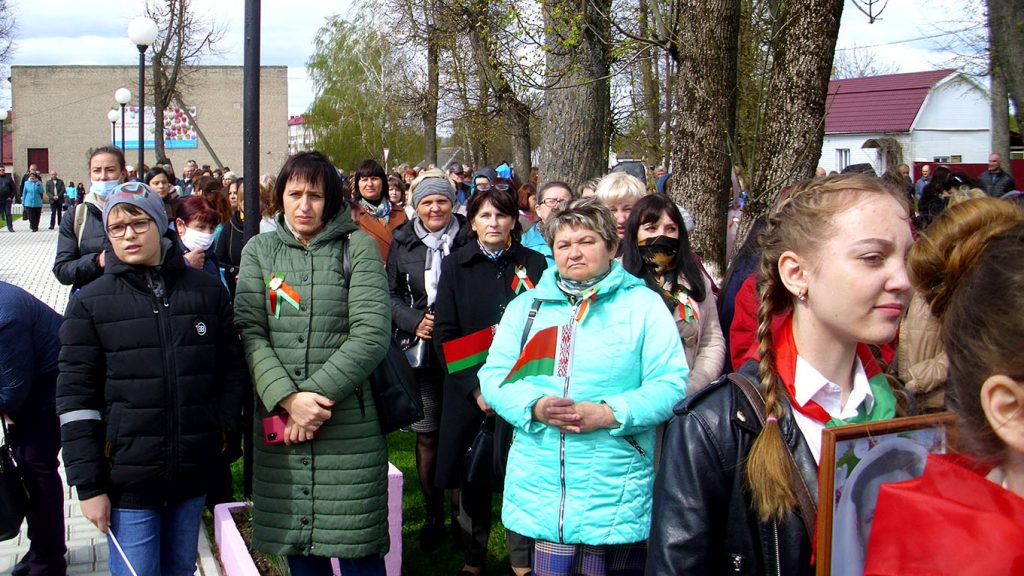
pixel 237 561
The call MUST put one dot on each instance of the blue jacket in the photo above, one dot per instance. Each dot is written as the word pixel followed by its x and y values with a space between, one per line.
pixel 535 241
pixel 625 352
pixel 32 194
pixel 28 354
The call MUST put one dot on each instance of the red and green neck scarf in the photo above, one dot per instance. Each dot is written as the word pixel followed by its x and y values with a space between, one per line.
pixel 884 406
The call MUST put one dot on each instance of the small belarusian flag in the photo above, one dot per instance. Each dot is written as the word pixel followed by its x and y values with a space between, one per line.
pixel 521 281
pixel 545 354
pixel 469 350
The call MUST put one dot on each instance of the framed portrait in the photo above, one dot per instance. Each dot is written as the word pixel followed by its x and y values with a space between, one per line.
pixel 855 461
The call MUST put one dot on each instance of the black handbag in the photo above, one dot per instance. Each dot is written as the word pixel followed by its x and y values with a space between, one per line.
pixel 479 465
pixel 392 383
pixel 414 348
pixel 395 391
pixel 14 501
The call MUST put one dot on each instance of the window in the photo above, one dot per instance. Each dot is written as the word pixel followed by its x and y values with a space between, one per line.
pixel 940 159
pixel 842 158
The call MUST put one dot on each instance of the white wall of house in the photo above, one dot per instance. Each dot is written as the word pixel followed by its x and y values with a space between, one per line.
pixel 840 150
pixel 954 121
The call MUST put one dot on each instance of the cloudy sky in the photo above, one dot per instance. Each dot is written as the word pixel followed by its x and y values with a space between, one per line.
pixel 94 32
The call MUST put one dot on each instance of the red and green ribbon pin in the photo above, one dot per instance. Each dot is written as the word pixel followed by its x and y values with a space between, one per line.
pixel 277 288
pixel 688 309
pixel 521 281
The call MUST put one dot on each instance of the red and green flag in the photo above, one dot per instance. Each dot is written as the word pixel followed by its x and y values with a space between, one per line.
pixel 469 350
pixel 538 358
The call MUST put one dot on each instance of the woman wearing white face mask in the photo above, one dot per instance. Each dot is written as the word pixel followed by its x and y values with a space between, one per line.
pixel 195 220
pixel 82 244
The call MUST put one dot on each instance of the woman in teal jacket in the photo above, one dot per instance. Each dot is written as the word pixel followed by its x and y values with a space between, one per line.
pixel 601 366
pixel 32 200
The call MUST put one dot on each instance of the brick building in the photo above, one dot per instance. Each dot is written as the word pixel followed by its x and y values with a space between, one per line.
pixel 62 113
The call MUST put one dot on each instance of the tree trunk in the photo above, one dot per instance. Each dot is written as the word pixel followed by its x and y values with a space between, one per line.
pixel 160 101
pixel 705 50
pixel 430 98
pixel 1005 23
pixel 577 101
pixel 650 93
pixel 1000 106
pixel 516 112
pixel 802 47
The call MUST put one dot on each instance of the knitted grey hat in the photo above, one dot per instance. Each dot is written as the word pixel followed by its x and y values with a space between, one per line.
pixel 431 187
pixel 141 196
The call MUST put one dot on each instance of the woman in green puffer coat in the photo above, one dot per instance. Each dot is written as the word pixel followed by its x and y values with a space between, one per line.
pixel 311 341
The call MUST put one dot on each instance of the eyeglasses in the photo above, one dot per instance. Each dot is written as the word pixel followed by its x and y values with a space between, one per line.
pixel 138 227
pixel 484 187
pixel 553 202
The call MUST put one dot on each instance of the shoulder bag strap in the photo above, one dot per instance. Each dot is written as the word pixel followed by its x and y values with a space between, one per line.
pixel 808 509
pixel 346 263
pixel 529 323
pixel 80 214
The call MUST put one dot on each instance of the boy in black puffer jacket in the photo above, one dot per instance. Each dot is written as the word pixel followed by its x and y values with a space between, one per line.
pixel 149 391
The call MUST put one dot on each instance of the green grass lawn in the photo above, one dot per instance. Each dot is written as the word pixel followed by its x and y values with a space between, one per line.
pixel 446 560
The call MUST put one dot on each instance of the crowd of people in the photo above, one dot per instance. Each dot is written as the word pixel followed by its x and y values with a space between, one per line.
pixel 569 348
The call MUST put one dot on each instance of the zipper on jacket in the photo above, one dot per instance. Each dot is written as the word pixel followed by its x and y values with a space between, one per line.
pixel 159 294
pixel 362 407
pixel 636 445
pixel 778 562
pixel 561 434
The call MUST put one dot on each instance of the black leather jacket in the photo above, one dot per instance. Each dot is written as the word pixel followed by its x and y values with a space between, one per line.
pixel 703 521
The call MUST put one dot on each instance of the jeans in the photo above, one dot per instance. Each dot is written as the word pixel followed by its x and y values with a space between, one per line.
pixel 321 566
pixel 162 541
pixel 36 441
pixel 5 207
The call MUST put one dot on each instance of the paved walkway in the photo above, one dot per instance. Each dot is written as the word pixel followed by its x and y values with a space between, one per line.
pixel 26 260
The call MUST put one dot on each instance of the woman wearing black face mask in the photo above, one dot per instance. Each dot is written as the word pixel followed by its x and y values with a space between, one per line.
pixel 655 248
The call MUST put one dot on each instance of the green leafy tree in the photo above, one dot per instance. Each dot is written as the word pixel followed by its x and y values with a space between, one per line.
pixel 360 108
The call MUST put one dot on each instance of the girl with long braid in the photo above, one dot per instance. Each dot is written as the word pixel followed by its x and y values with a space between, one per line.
pixel 833 277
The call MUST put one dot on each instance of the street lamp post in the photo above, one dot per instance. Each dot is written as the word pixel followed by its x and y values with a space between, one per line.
pixel 112 116
pixel 142 31
pixel 123 96
pixel 3 116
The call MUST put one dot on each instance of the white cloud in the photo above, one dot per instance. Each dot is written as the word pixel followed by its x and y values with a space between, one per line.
pixel 63 32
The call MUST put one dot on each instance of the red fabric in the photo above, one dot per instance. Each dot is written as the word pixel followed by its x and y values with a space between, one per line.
pixel 785 366
pixel 951 521
pixel 743 332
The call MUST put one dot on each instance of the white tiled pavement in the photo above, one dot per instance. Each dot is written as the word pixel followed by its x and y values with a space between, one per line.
pixel 26 260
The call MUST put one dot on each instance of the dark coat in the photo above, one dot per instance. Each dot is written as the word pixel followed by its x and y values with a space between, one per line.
pixel 997 183
pixel 150 382
pixel 7 191
pixel 28 354
pixel 703 520
pixel 405 264
pixel 471 296
pixel 229 248
pixel 56 192
pixel 77 265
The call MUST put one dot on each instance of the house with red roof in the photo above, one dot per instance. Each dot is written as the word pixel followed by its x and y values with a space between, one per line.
pixel 934 116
